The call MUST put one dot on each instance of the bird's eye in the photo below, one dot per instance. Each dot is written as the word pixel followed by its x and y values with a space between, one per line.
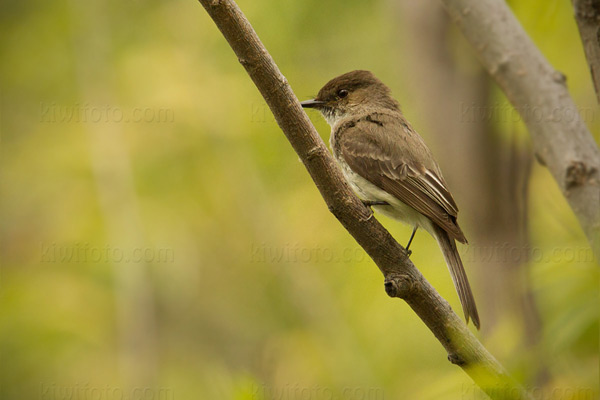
pixel 342 93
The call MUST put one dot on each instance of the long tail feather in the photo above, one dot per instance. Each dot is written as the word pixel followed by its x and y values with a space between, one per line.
pixel 459 276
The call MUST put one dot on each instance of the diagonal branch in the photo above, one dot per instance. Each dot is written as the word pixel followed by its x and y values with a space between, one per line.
pixel 587 15
pixel 539 93
pixel 402 279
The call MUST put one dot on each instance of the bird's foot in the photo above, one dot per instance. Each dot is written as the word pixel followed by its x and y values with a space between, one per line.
pixel 408 251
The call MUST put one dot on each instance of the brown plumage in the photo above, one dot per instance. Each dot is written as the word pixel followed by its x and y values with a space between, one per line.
pixel 391 162
pixel 384 159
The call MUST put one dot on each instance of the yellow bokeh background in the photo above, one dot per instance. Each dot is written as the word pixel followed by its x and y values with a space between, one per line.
pixel 161 239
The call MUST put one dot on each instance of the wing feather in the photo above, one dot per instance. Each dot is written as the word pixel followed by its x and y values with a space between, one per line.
pixel 384 150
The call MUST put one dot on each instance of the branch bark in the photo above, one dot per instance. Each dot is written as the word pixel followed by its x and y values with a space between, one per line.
pixel 561 140
pixel 587 15
pixel 402 279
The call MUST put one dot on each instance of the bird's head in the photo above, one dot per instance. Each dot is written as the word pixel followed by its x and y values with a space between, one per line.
pixel 352 92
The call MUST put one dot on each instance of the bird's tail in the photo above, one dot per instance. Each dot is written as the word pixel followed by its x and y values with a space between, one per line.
pixel 459 276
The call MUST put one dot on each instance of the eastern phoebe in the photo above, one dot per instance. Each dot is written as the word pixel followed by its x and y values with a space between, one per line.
pixel 390 167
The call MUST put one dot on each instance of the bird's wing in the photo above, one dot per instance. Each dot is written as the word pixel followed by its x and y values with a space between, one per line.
pixel 385 150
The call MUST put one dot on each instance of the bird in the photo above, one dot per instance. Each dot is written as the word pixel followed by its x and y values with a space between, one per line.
pixel 390 168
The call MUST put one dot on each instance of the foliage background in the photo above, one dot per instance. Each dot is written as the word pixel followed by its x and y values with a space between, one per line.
pixel 160 238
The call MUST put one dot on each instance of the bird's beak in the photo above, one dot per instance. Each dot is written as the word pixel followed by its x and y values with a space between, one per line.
pixel 312 103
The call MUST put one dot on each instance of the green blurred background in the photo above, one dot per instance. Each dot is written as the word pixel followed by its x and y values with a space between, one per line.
pixel 160 238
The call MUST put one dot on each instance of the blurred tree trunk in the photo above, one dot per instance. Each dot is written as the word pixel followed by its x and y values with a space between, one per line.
pixel 488 177
pixel 587 16
pixel 135 316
